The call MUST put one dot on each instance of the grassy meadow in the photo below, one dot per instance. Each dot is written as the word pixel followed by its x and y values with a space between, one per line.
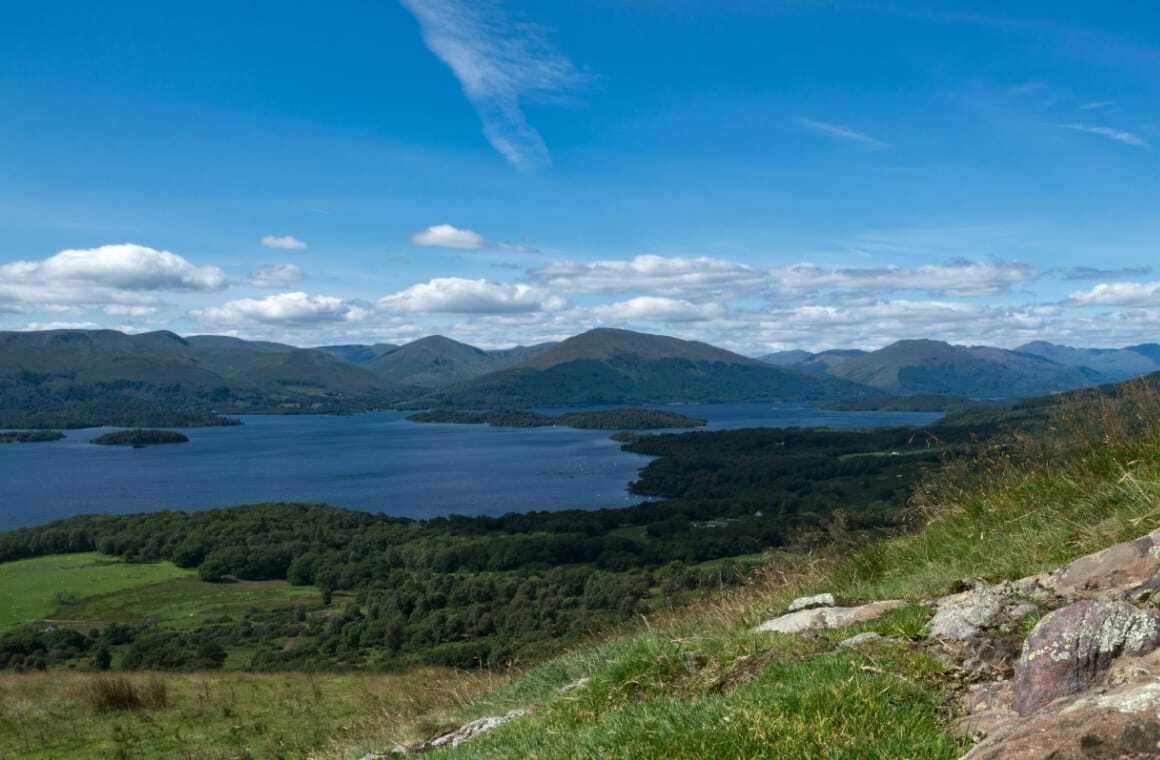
pixel 185 602
pixel 92 590
pixel 33 589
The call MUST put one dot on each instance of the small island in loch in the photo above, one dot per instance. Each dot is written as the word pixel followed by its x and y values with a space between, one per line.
pixel 30 436
pixel 140 438
pixel 606 419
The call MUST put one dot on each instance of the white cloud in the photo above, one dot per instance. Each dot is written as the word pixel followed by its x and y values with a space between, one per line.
pixel 284 242
pixel 658 309
pixel 124 267
pixel 277 276
pixel 37 326
pixel 1097 105
pixel 125 273
pixel 1119 294
pixel 658 275
pixel 878 323
pixel 127 310
pixel 651 274
pixel 842 133
pixel 448 236
pixel 959 278
pixel 1119 135
pixel 455 295
pixel 283 308
pixel 499 63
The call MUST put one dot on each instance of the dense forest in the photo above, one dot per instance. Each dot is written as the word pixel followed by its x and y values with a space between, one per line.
pixel 483 591
pixel 31 436
pixel 140 437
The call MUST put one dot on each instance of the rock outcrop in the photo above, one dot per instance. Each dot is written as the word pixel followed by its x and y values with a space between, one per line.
pixel 861 640
pixel 988 707
pixel 968 615
pixel 827 617
pixel 454 738
pixel 807 602
pixel 1115 722
pixel 1087 681
pixel 1072 647
pixel 1130 570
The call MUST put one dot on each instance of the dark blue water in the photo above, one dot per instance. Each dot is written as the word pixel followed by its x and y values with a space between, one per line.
pixel 376 462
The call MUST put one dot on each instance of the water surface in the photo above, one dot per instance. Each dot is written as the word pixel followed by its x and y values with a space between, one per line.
pixel 376 462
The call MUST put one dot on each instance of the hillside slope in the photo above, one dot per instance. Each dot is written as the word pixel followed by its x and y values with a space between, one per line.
pixel 929 366
pixel 1112 364
pixel 432 362
pixel 90 377
pixel 359 353
pixel 703 682
pixel 606 366
pixel 815 364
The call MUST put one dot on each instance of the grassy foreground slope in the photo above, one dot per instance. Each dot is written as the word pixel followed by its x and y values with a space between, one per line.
pixel 701 684
pixel 47 716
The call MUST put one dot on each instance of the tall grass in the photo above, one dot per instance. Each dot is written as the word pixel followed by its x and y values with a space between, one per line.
pixel 118 694
pixel 224 716
pixel 1090 478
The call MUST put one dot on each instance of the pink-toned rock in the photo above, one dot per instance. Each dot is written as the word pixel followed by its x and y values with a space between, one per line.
pixel 988 707
pixel 1126 570
pixel 1121 723
pixel 1072 647
pixel 827 617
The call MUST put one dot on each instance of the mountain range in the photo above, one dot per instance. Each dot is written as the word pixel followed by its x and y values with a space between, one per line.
pixel 608 366
pixel 911 367
pixel 100 376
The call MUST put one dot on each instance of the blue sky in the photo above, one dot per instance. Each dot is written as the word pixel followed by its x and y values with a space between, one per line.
pixel 761 175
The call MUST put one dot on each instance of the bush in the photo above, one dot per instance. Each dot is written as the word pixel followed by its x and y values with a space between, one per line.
pixel 118 694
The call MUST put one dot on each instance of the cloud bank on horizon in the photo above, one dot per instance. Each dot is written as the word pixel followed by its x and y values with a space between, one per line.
pixel 741 306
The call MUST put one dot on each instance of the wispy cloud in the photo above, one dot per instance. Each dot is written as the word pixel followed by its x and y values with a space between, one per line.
pixel 1094 273
pixel 1097 105
pixel 277 276
pixel 842 133
pixel 499 62
pixel 1119 135
pixel 1028 88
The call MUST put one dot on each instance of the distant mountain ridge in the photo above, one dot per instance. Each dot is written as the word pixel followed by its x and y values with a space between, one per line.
pixel 1112 363
pixel 911 367
pixel 815 364
pixel 437 361
pixel 357 353
pixel 104 376
pixel 610 366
